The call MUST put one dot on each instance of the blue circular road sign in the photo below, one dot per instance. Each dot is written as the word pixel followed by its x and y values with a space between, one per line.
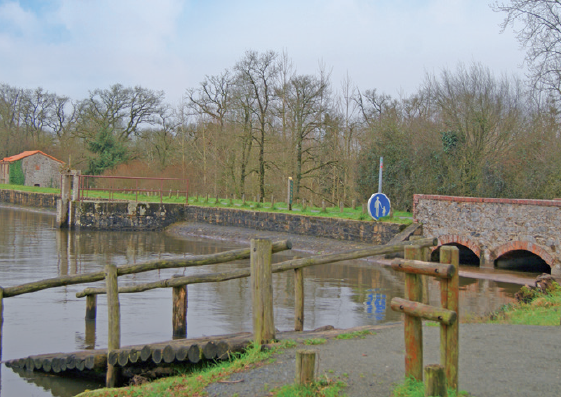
pixel 379 206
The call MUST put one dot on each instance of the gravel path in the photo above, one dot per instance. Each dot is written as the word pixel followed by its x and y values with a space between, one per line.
pixel 495 360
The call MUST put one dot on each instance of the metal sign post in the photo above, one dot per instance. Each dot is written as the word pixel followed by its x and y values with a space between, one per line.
pixel 289 199
pixel 380 175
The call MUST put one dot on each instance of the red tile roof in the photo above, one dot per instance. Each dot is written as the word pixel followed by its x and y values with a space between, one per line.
pixel 27 154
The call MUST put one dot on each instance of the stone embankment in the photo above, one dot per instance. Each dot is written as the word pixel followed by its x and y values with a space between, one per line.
pixel 124 215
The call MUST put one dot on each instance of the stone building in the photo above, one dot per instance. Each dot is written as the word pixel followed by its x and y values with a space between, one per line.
pixel 31 168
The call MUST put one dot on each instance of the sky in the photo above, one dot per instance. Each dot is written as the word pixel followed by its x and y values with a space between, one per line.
pixel 71 47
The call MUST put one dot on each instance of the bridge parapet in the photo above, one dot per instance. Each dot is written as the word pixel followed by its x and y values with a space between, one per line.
pixel 492 227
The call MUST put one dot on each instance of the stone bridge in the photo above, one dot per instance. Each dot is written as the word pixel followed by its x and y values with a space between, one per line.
pixel 494 229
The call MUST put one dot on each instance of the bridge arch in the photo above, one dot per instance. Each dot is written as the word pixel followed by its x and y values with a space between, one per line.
pixel 461 240
pixel 523 246
pixel 470 253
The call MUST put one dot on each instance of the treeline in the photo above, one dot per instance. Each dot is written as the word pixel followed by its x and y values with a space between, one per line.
pixel 464 132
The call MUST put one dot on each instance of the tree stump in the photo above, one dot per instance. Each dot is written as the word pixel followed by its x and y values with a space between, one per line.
pixel 305 366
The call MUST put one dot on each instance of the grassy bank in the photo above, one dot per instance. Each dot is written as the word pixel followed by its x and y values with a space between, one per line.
pixel 535 308
pixel 331 211
pixel 192 380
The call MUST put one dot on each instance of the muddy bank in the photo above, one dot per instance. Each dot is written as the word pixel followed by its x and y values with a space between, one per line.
pixel 301 243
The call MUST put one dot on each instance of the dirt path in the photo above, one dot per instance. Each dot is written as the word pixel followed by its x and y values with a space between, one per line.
pixel 495 360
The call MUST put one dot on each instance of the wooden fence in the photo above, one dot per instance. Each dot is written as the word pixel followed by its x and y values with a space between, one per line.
pixel 260 271
pixel 437 377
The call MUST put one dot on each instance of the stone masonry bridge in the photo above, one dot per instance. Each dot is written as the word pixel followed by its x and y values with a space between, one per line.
pixel 494 229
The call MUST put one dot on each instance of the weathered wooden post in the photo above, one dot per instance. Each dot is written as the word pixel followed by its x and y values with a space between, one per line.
pixel 1 318
pixel 179 317
pixel 91 307
pixel 413 325
pixel 114 321
pixel 305 366
pixel 262 290
pixel 425 257
pixel 298 299
pixel 364 208
pixel 323 209
pixel 449 334
pixel 435 381
pixel 341 206
pixel 353 204
pixel 304 206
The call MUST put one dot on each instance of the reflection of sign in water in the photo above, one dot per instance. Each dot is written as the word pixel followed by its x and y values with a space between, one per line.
pixel 379 206
pixel 376 305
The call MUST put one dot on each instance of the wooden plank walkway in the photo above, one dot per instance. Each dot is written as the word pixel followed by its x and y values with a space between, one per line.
pixel 179 350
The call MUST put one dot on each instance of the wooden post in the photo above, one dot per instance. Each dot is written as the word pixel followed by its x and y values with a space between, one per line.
pixel 179 316
pixel 364 208
pixel 114 321
pixel 449 334
pixel 298 299
pixel 262 291
pixel 305 366
pixel 243 199
pixel 425 257
pixel 1 318
pixel 353 204
pixel 435 381
pixel 304 205
pixel 341 205
pixel 323 206
pixel 413 325
pixel 91 307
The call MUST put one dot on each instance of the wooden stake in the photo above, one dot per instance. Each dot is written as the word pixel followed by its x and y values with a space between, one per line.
pixel 449 334
pixel 341 206
pixel 179 316
pixel 262 291
pixel 1 318
pixel 305 366
pixel 425 257
pixel 91 307
pixel 114 321
pixel 435 381
pixel 298 299
pixel 413 325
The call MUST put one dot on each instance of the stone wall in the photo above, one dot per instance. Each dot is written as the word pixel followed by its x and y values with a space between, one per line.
pixel 340 229
pixel 492 227
pixel 142 216
pixel 29 199
pixel 40 170
pixel 111 215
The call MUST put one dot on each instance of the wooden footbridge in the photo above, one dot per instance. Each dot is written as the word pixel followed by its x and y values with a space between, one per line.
pixel 114 358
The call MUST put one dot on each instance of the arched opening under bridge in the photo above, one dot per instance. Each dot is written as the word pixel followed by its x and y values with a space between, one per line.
pixel 522 260
pixel 467 256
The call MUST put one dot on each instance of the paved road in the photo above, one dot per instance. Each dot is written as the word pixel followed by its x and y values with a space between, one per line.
pixel 495 360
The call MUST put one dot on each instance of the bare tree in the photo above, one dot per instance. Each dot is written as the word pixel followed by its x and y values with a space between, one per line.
pixel 259 72
pixel 537 24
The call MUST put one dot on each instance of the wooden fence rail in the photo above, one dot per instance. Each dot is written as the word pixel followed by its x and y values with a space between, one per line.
pixel 260 271
pixel 415 312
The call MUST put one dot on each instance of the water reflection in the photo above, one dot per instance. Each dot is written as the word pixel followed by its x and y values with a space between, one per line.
pixel 31 248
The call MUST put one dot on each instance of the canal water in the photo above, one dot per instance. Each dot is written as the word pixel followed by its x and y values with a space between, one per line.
pixel 344 295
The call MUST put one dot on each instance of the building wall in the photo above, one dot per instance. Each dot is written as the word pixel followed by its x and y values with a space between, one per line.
pixel 492 227
pixel 4 173
pixel 41 170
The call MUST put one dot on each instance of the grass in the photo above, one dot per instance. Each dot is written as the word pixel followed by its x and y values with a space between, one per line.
pixel 314 341
pixel 355 334
pixel 540 308
pixel 400 217
pixel 191 381
pixel 414 388
pixel 322 388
